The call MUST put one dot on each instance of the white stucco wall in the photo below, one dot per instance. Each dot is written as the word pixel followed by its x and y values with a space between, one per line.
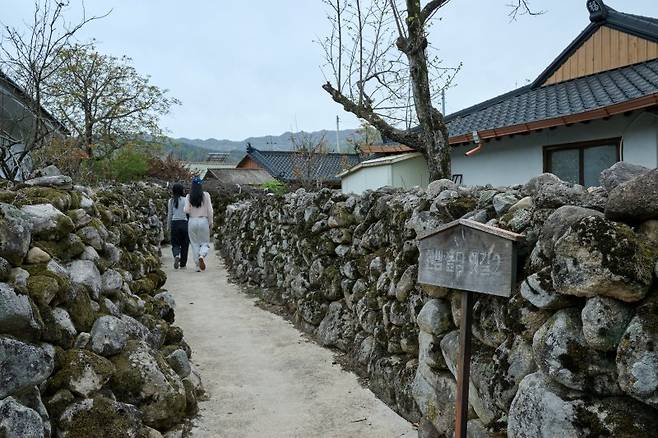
pixel 367 178
pixel 410 173
pixel 515 160
pixel 404 174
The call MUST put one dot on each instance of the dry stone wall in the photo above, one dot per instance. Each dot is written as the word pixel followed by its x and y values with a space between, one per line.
pixel 572 353
pixel 87 341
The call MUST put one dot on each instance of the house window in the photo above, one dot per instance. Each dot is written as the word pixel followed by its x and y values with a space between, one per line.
pixel 582 163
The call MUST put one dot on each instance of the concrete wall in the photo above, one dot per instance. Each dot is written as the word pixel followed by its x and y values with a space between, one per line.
pixel 517 159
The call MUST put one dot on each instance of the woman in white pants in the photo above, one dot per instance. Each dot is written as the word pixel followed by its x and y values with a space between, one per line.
pixel 199 208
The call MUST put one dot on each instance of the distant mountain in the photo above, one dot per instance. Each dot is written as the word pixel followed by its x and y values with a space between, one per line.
pixel 281 142
pixel 185 152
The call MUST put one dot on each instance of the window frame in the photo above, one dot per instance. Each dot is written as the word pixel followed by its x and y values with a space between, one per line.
pixel 580 146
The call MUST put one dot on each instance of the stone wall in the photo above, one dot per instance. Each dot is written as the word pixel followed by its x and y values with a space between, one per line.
pixel 87 341
pixel 572 353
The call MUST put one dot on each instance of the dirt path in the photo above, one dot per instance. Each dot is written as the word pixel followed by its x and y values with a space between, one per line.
pixel 263 377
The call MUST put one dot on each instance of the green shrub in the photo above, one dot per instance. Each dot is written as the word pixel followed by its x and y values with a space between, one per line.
pixel 127 164
pixel 275 186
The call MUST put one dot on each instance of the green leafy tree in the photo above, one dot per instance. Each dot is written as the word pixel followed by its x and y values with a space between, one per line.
pixel 30 56
pixel 104 101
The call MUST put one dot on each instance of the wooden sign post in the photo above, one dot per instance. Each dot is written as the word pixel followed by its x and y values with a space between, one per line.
pixel 471 257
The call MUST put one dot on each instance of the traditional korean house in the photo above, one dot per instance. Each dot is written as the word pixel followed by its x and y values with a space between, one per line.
pixel 594 105
pixel 296 167
pixel 17 123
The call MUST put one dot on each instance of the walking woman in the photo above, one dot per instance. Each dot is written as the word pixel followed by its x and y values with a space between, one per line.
pixel 177 220
pixel 199 208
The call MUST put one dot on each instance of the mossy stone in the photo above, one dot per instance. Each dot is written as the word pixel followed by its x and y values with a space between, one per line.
pixel 143 286
pixel 15 234
pixel 81 310
pixel 144 378
pixel 158 277
pixel 76 199
pixel 180 345
pixel 83 372
pixel 190 396
pixel 7 196
pixel 65 250
pixel 106 216
pixel 42 289
pixel 132 262
pixel 59 402
pixel 42 269
pixel 158 309
pixel 460 206
pixel 174 335
pixel 43 195
pixel 53 332
pixel 600 257
pixel 129 236
pixel 100 417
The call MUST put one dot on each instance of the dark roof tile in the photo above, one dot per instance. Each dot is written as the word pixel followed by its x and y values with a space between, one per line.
pixel 291 166
pixel 566 98
pixel 239 176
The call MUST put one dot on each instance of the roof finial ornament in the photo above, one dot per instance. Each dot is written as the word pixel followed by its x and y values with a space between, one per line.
pixel 598 11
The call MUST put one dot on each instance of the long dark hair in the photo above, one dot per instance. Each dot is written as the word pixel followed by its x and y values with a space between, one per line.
pixel 196 194
pixel 178 191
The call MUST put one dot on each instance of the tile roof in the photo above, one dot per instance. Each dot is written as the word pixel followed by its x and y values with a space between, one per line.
pixel 292 166
pixel 385 148
pixel 382 161
pixel 240 176
pixel 643 27
pixel 536 102
pixel 528 104
pixel 27 101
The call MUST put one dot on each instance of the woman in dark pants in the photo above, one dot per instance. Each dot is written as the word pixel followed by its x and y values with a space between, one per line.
pixel 177 220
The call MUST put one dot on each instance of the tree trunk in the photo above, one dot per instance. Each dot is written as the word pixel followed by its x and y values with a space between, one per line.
pixel 434 135
pixel 88 137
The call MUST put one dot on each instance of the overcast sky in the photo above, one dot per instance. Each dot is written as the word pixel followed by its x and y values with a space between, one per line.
pixel 251 67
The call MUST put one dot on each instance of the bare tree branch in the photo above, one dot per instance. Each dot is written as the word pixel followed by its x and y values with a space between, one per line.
pixel 430 8
pixel 521 7
pixel 30 57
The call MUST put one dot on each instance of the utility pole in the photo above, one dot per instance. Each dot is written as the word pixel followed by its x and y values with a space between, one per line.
pixel 443 101
pixel 337 134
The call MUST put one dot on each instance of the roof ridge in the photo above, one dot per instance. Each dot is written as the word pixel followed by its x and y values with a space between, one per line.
pixel 603 15
pixel 295 152
pixel 487 103
pixel 23 94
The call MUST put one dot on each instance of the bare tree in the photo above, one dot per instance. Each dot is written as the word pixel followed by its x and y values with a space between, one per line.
pixel 104 101
pixel 384 71
pixel 366 135
pixel 30 57
pixel 305 161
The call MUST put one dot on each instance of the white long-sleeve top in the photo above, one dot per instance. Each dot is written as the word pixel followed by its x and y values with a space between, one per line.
pixel 204 211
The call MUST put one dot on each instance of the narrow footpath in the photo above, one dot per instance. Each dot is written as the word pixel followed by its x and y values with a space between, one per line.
pixel 263 377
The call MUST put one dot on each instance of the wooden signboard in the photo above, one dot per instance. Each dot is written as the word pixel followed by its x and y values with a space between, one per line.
pixel 471 257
